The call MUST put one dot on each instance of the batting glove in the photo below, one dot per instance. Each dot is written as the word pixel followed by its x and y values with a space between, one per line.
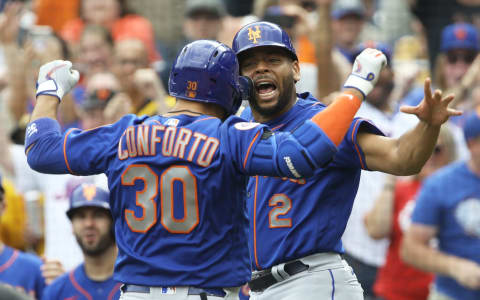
pixel 56 78
pixel 366 70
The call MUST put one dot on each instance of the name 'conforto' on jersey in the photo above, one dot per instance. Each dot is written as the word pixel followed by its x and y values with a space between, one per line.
pixel 169 141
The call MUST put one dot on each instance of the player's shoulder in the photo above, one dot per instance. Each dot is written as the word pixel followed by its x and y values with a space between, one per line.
pixel 59 283
pixel 448 175
pixel 240 124
pixel 307 101
pixel 27 258
pixel 131 119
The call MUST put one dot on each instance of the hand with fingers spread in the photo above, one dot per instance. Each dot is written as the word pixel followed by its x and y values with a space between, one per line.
pixel 434 108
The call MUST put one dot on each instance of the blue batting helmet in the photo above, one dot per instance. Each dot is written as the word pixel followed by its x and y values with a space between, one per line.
pixel 261 34
pixel 206 71
pixel 88 195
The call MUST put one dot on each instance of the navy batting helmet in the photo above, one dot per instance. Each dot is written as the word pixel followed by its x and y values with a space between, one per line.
pixel 88 195
pixel 207 71
pixel 261 34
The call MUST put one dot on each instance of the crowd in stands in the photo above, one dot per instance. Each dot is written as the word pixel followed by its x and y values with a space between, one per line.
pixel 124 69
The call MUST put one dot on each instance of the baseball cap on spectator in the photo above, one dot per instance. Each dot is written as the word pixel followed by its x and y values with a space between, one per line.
pixel 98 99
pixel 471 128
pixel 386 49
pixel 459 36
pixel 342 8
pixel 211 7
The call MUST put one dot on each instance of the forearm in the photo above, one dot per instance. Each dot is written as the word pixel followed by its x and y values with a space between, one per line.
pixel 378 221
pixel 328 80
pixel 45 107
pixel 337 117
pixel 426 258
pixel 415 147
pixel 17 94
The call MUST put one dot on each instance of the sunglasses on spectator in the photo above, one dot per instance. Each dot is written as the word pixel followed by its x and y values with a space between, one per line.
pixel 454 57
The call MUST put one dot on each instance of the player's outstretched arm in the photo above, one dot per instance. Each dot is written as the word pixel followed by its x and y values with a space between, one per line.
pixel 407 154
pixel 313 144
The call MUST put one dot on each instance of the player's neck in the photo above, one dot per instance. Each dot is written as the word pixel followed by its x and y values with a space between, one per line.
pixel 184 107
pixel 100 267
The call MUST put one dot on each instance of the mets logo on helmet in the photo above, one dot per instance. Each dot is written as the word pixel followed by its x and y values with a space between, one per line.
pixel 89 191
pixel 253 35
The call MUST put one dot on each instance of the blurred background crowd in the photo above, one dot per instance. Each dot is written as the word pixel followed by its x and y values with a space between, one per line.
pixel 124 50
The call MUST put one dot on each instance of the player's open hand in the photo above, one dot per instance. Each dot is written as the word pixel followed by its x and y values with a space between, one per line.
pixel 434 108
pixel 366 70
pixel 56 78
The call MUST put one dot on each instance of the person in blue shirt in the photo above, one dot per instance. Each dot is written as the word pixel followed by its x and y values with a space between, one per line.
pixel 448 209
pixel 296 225
pixel 20 270
pixel 177 181
pixel 92 226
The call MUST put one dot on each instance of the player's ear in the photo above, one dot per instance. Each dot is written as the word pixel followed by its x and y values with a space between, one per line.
pixel 296 70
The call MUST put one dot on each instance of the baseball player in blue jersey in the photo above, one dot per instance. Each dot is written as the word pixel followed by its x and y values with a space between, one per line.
pixel 178 181
pixel 18 269
pixel 296 225
pixel 448 209
pixel 92 226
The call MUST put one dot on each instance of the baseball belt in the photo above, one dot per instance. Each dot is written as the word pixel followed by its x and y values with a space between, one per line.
pixel 133 288
pixel 263 279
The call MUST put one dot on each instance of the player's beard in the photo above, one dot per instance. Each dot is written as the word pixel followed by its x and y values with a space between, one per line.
pixel 284 99
pixel 106 241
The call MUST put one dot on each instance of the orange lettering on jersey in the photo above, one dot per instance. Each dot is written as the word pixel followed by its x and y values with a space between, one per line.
pixel 155 139
pixel 208 149
pixel 130 140
pixel 142 140
pixel 183 139
pixel 168 141
pixel 198 138
pixel 122 154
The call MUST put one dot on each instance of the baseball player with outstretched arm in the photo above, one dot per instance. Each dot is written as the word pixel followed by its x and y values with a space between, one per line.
pixel 296 225
pixel 178 181
pixel 92 226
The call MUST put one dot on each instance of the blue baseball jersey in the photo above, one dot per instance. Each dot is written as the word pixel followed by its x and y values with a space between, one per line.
pixel 75 285
pixel 177 192
pixel 293 218
pixel 450 201
pixel 22 271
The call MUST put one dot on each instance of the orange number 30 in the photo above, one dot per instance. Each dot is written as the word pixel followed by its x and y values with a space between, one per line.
pixel 146 199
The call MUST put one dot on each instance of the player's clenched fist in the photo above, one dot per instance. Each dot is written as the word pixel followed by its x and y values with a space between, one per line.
pixel 56 78
pixel 366 70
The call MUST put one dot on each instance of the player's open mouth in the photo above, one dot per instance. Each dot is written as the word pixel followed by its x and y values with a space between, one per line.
pixel 265 89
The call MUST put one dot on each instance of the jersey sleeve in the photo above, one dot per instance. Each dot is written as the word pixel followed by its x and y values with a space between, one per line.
pixel 350 154
pixel 427 209
pixel 76 151
pixel 241 138
pixel 293 154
